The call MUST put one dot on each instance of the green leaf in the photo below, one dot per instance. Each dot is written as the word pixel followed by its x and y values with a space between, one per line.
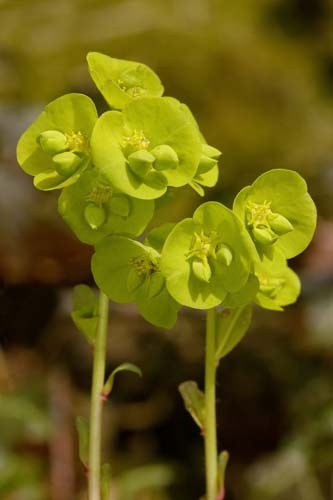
pixel 159 309
pixel 289 203
pixel 121 81
pixel 197 188
pixel 144 125
pixel 222 463
pixel 199 239
pixel 279 286
pixel 116 276
pixel 194 400
pixel 128 367
pixel 181 283
pixel 72 115
pixel 157 236
pixel 244 295
pixel 50 179
pixel 85 301
pixel 124 215
pixel 210 151
pixel 85 311
pixel 120 204
pixel 112 274
pixel 206 164
pixel 82 427
pixel 106 477
pixel 231 327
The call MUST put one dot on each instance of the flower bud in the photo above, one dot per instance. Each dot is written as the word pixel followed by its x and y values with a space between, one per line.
pixel 134 280
pixel 156 284
pixel 128 79
pixel 52 142
pixel 66 163
pixel 210 151
pixel 280 224
pixel 140 162
pixel 205 164
pixel 264 235
pixel 165 157
pixel 156 180
pixel 94 215
pixel 268 290
pixel 120 205
pixel 224 255
pixel 201 270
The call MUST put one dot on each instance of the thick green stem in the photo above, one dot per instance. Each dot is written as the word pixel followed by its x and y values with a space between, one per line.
pixel 210 408
pixel 96 406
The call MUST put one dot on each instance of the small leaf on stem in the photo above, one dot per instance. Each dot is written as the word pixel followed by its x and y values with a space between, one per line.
pixel 222 464
pixel 231 328
pixel 82 427
pixel 194 401
pixel 85 311
pixel 106 481
pixel 129 367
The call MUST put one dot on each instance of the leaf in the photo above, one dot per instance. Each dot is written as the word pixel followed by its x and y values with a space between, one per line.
pixel 85 311
pixel 221 467
pixel 279 285
pixel 116 276
pixel 106 473
pixel 71 113
pixel 157 236
pixel 129 367
pixel 121 81
pixel 87 326
pixel 231 327
pixel 245 295
pixel 286 191
pixel 112 274
pixel 194 400
pixel 89 188
pixel 82 427
pixel 161 310
pixel 145 123
pixel 49 179
pixel 199 238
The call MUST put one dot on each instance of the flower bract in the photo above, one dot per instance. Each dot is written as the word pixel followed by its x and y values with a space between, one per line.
pixel 55 149
pixel 279 285
pixel 94 209
pixel 278 213
pixel 147 147
pixel 128 271
pixel 120 82
pixel 206 257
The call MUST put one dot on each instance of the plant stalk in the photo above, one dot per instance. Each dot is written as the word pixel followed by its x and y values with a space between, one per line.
pixel 96 405
pixel 210 407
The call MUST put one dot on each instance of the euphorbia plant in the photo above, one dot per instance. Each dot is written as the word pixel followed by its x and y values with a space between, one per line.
pixel 110 170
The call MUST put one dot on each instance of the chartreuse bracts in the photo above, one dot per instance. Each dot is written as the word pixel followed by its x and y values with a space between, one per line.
pixel 110 169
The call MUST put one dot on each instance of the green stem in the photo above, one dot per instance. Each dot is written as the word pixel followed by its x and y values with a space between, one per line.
pixel 96 406
pixel 210 408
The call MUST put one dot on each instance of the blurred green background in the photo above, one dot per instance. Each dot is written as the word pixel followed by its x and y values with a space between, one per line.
pixel 258 75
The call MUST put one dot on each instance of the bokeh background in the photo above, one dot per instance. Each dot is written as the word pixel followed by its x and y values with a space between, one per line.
pixel 258 75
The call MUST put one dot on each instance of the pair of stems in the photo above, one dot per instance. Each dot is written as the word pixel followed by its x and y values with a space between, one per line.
pixel 96 408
